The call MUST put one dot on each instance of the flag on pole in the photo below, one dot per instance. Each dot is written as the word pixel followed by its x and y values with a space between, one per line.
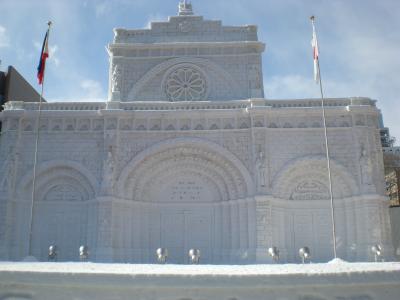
pixel 43 56
pixel 314 44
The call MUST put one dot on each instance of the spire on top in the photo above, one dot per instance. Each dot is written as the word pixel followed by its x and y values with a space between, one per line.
pixel 185 8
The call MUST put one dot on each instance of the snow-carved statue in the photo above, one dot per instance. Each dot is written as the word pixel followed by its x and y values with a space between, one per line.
pixel 107 185
pixel 116 79
pixel 365 167
pixel 255 81
pixel 260 168
pixel 9 171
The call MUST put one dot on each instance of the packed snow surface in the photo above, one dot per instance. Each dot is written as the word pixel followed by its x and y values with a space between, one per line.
pixel 336 266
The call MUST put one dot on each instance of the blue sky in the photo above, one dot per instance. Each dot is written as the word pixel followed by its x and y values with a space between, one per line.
pixel 359 44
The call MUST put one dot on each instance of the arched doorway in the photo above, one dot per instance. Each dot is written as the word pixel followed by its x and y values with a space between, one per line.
pixel 60 214
pixel 192 194
pixel 302 198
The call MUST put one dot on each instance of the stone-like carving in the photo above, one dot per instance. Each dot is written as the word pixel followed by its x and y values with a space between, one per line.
pixel 116 79
pixel 187 158
pixel 260 168
pixel 142 154
pixel 310 190
pixel 255 83
pixel 64 192
pixel 313 168
pixel 185 26
pixel 185 9
pixel 185 83
pixel 111 124
pixel 9 170
pixel 355 297
pixel 366 168
pixel 107 184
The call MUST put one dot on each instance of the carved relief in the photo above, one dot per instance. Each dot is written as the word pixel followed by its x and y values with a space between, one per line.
pixel 56 124
pixel 98 124
pixel 185 83
pixel 111 124
pixel 365 166
pixel 64 192
pixel 13 124
pixel 8 171
pixel 310 190
pixel 307 178
pixel 116 79
pixel 185 26
pixel 260 169
pixel 69 124
pixel 107 184
pixel 212 75
pixel 205 163
pixel 27 125
pixel 84 125
pixel 254 77
pixel 255 83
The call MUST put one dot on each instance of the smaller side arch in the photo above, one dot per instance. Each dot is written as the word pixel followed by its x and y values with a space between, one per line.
pixel 57 171
pixel 309 175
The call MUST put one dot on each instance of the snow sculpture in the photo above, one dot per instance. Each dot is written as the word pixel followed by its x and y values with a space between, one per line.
pixel 185 84
pixel 260 167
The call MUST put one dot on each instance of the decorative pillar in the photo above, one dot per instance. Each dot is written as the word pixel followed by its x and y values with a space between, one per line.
pixel 252 232
pixel 235 255
pixel 244 230
pixel 226 232
pixel 350 232
pixel 104 250
pixel 218 234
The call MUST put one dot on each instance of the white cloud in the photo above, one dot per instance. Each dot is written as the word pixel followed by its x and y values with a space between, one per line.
pixel 53 49
pixel 102 8
pixel 53 56
pixel 4 39
pixel 154 18
pixel 290 86
pixel 92 89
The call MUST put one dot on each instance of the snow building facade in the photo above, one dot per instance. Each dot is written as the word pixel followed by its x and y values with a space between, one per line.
pixel 187 153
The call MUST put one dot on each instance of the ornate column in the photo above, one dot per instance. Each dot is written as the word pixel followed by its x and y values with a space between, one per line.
pixel 235 255
pixel 351 236
pixel 252 231
pixel 218 234
pixel 244 230
pixel 145 232
pixel 226 232
pixel 104 250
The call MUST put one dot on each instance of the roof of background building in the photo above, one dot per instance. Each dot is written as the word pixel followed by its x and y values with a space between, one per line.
pixel 14 87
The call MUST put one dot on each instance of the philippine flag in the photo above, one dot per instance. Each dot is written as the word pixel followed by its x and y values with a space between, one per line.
pixel 314 44
pixel 43 56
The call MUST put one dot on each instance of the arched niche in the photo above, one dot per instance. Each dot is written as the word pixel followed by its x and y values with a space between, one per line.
pixel 155 78
pixel 60 209
pixel 207 163
pixel 306 178
pixel 56 172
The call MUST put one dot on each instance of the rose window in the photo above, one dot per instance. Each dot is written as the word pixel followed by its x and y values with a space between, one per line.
pixel 185 84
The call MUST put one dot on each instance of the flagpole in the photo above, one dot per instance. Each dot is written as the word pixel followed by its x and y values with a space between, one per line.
pixel 36 159
pixel 328 161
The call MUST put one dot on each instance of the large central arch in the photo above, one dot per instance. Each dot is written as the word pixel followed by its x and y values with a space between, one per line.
pixel 190 193
pixel 208 160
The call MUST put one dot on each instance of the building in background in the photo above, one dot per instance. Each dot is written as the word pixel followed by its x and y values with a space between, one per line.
pixel 391 160
pixel 14 87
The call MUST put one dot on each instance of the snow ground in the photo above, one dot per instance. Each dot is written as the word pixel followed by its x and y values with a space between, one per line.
pixel 334 267
pixel 81 281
